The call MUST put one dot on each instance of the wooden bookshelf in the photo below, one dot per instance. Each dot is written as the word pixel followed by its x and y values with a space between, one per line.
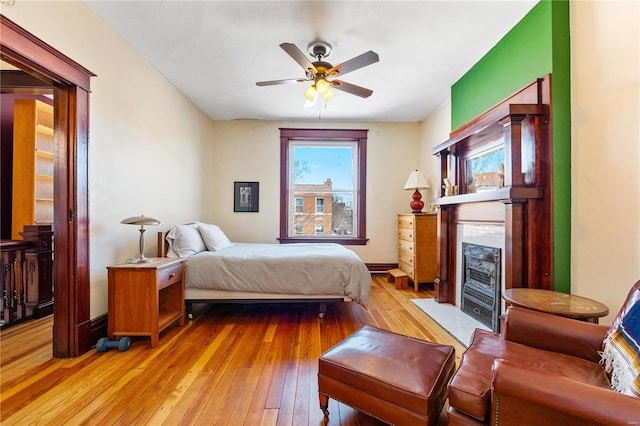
pixel 33 159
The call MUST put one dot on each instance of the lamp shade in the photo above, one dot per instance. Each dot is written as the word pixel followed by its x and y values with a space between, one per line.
pixel 329 95
pixel 140 220
pixel 310 93
pixel 322 86
pixel 416 181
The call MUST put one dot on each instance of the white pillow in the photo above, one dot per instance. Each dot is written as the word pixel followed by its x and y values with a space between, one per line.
pixel 213 237
pixel 185 240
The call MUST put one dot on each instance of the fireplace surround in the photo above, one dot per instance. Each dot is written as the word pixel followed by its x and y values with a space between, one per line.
pixel 499 166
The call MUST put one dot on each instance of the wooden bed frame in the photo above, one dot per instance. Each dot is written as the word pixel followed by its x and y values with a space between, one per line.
pixel 196 295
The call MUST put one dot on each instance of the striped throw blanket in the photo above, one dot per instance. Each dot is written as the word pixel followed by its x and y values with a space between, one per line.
pixel 621 355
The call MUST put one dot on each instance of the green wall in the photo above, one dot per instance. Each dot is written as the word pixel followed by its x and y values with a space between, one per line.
pixel 536 46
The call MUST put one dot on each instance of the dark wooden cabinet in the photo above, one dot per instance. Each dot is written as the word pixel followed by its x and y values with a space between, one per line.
pixel 39 270
pixel 27 275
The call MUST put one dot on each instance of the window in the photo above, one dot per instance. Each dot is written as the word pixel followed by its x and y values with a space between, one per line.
pixel 323 185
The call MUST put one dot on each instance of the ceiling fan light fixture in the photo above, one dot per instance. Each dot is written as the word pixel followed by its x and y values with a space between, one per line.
pixel 322 86
pixel 311 93
pixel 329 95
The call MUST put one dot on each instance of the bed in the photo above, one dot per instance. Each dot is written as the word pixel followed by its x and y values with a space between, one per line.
pixel 217 270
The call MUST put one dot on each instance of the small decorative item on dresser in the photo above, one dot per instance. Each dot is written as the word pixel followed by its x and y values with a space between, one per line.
pixel 416 182
pixel 142 221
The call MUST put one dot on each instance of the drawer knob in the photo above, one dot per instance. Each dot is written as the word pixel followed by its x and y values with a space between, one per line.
pixel 172 275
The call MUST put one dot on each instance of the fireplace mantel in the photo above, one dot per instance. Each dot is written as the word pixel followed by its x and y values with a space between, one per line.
pixel 498 167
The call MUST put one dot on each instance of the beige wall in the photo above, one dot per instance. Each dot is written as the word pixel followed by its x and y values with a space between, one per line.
pixel 435 130
pixel 149 147
pixel 605 111
pixel 247 150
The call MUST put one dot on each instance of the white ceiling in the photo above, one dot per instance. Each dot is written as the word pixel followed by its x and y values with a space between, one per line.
pixel 215 51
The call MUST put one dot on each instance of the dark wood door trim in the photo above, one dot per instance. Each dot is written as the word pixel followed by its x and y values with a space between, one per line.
pixel 35 55
pixel 71 84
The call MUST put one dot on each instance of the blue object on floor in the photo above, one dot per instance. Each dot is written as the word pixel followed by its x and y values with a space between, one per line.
pixel 104 343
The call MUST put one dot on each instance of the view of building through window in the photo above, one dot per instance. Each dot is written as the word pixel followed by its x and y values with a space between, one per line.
pixel 323 185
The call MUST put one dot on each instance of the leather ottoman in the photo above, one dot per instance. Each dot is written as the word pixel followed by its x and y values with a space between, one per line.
pixel 394 378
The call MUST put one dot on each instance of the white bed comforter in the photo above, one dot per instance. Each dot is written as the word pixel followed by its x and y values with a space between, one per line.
pixel 309 269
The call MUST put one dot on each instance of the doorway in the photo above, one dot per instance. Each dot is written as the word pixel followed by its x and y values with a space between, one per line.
pixel 71 85
pixel 27 196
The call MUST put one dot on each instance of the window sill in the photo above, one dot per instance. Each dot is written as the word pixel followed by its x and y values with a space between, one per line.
pixel 343 241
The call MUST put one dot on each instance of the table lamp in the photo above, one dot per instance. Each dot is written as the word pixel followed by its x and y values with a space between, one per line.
pixel 416 181
pixel 142 221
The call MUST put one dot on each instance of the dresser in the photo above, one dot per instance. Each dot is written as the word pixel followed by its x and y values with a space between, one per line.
pixel 417 246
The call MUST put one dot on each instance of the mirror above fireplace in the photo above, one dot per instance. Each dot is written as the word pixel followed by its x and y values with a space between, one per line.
pixel 485 170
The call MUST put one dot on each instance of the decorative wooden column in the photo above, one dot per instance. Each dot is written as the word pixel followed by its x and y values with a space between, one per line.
pixel 514 244
pixel 441 283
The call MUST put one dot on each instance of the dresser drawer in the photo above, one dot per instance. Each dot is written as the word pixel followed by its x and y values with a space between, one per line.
pixel 409 270
pixel 407 221
pixel 406 234
pixel 408 246
pixel 406 257
pixel 170 275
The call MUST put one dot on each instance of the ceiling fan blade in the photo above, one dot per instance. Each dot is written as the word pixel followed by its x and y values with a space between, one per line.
pixel 286 81
pixel 356 63
pixel 351 88
pixel 297 55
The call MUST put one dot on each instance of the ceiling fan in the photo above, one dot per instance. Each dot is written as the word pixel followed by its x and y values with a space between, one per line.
pixel 323 74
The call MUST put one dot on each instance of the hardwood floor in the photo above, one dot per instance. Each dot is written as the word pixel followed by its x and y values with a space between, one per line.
pixel 232 365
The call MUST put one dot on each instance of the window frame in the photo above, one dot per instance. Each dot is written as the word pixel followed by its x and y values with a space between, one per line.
pixel 359 136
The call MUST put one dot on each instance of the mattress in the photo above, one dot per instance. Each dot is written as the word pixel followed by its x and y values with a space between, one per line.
pixel 317 269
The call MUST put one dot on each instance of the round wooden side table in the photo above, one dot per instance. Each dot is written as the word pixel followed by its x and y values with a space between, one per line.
pixel 556 303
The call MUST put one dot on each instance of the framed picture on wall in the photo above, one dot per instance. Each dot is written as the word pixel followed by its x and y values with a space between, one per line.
pixel 246 196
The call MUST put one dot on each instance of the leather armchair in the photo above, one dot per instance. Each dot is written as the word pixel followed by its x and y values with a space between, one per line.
pixel 541 369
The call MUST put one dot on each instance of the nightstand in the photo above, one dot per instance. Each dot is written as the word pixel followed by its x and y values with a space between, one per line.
pixel 145 298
